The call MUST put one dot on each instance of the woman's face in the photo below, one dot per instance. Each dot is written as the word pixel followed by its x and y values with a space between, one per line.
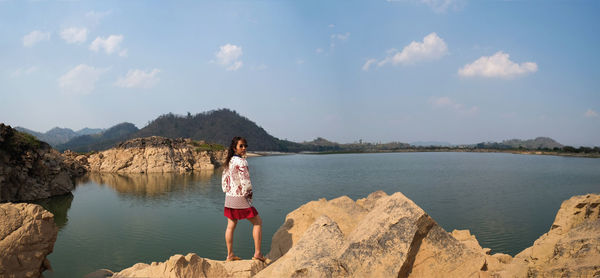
pixel 240 148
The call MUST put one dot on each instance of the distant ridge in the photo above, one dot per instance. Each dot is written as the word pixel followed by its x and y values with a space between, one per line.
pixel 531 144
pixel 216 126
pixel 219 126
pixel 430 143
pixel 100 141
pixel 57 135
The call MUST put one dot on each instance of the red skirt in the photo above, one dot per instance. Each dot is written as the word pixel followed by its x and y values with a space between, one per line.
pixel 236 214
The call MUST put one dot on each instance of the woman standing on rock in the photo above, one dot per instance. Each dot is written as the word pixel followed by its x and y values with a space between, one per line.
pixel 238 197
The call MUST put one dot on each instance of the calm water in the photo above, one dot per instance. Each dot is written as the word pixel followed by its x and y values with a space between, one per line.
pixel 114 221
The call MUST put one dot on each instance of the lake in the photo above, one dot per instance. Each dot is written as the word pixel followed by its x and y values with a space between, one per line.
pixel 116 220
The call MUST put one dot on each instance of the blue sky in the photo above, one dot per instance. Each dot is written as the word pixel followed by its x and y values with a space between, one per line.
pixel 408 70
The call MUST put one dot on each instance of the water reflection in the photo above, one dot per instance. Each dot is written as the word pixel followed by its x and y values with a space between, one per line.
pixel 59 206
pixel 151 184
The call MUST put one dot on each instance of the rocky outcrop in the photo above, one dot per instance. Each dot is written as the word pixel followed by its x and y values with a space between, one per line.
pixel 387 236
pixel 154 154
pixel 190 265
pixel 27 236
pixel 570 249
pixel 390 236
pixel 31 169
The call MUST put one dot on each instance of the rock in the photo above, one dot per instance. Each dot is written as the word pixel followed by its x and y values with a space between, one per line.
pixel 345 212
pixel 390 236
pixel 191 265
pixel 440 252
pixel 31 169
pixel 154 154
pixel 27 236
pixel 100 273
pixel 394 238
pixel 311 255
pixel 570 249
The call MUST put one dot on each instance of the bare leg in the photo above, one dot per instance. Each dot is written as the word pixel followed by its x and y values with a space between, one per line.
pixel 229 236
pixel 257 234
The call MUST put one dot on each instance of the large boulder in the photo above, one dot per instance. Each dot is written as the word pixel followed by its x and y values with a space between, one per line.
pixel 27 236
pixel 389 236
pixel 30 169
pixel 570 249
pixel 190 265
pixel 154 154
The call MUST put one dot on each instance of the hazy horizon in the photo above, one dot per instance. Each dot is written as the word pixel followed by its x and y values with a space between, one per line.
pixel 454 71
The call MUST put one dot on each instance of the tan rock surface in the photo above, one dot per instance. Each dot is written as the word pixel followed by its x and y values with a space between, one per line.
pixel 191 265
pixel 154 154
pixel 394 238
pixel 345 212
pixel 27 236
pixel 570 249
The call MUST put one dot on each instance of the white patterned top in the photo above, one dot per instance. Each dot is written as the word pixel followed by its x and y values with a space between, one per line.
pixel 236 184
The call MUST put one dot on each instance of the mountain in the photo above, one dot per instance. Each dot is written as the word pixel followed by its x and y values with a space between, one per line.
pixel 57 135
pixel 531 144
pixel 88 131
pixel 100 141
pixel 216 126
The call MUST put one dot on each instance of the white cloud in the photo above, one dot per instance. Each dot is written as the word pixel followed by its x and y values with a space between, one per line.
pixel 447 103
pixel 368 64
pixel 338 37
pixel 95 16
pixel 74 35
pixel 110 44
pixel 591 113
pixel 299 61
pixel 34 37
pixel 81 79
pixel 438 6
pixel 432 47
pixel 23 71
pixel 319 50
pixel 228 56
pixel 497 65
pixel 331 25
pixel 139 79
pixel 123 53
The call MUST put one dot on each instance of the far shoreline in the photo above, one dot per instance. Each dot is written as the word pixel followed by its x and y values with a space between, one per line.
pixel 523 152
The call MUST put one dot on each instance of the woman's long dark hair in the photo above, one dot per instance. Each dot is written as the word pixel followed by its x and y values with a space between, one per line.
pixel 232 146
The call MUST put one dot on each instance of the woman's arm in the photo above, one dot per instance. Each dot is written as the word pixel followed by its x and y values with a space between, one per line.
pixel 225 180
pixel 244 175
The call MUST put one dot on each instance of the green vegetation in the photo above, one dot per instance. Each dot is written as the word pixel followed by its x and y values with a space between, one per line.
pixel 202 146
pixel 26 140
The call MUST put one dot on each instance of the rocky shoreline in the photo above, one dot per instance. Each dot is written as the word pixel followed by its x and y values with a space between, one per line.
pixel 390 236
pixel 153 154
pixel 31 169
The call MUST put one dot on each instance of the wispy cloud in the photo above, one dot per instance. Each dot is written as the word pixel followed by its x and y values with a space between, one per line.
pixel 591 113
pixel 139 79
pixel 74 35
pixel 447 103
pixel 23 71
pixel 438 6
pixel 110 44
pixel 338 38
pixel 229 56
pixel 497 65
pixel 368 64
pixel 81 79
pixel 95 17
pixel 35 37
pixel 432 47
